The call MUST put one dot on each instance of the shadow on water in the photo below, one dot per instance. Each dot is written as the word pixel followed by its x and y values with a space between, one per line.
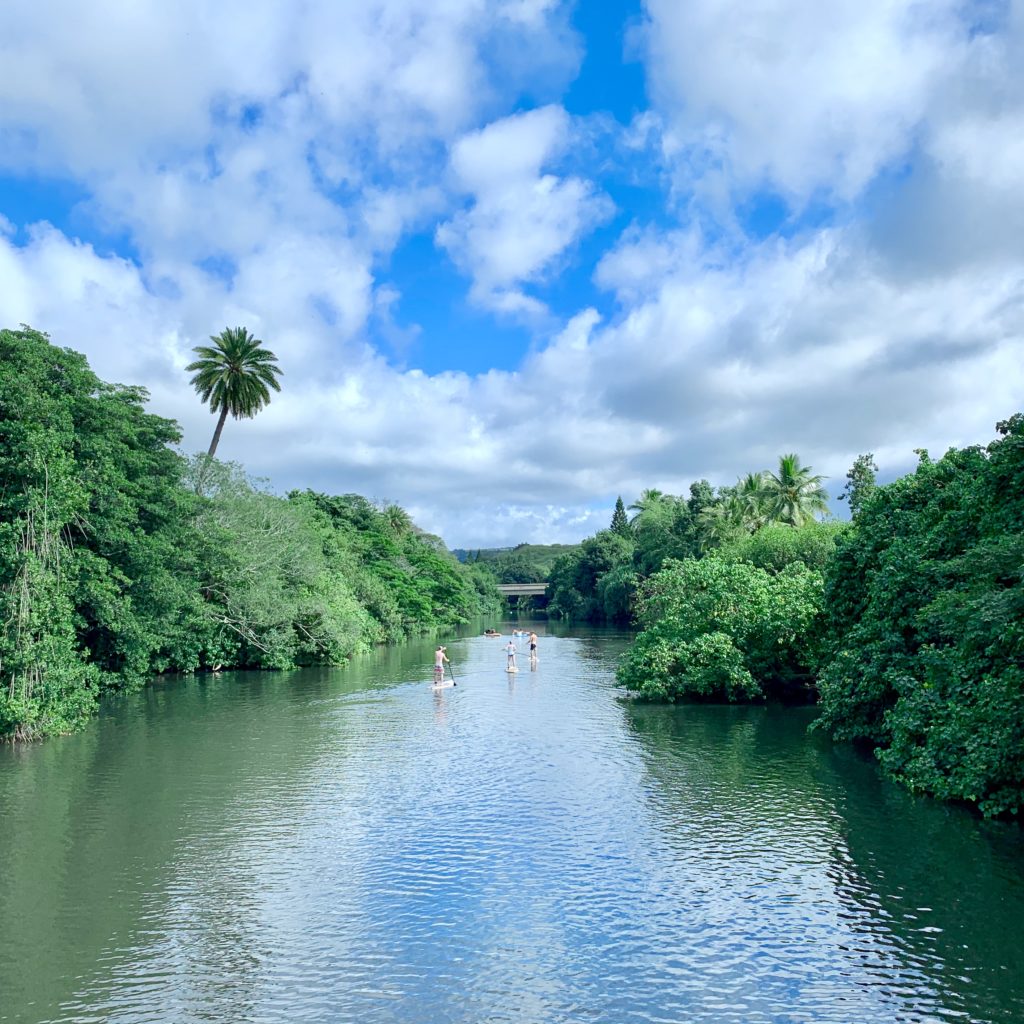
pixel 929 898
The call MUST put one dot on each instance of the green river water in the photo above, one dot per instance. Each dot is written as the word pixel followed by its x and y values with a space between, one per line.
pixel 343 845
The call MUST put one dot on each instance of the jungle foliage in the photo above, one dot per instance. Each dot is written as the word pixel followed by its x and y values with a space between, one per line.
pixel 923 614
pixel 766 518
pixel 908 621
pixel 525 563
pixel 120 559
pixel 724 630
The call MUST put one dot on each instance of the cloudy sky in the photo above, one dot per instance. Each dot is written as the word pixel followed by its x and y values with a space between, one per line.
pixel 520 256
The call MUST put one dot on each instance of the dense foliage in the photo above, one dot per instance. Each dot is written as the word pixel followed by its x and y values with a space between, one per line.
pixel 724 630
pixel 766 518
pixel 525 563
pixel 119 559
pixel 909 621
pixel 924 625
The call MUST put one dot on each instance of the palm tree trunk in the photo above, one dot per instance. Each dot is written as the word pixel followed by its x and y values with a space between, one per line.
pixel 216 433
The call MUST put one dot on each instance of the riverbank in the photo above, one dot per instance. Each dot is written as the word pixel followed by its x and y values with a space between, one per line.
pixel 120 559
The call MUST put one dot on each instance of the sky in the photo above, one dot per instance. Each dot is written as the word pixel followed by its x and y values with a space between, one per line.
pixel 518 257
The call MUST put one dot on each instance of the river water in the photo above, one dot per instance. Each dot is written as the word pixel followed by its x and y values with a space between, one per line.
pixel 342 845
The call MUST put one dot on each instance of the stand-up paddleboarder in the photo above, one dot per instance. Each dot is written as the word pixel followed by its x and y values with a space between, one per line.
pixel 439 659
pixel 510 652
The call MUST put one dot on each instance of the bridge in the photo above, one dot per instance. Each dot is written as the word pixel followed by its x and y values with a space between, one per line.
pixel 514 591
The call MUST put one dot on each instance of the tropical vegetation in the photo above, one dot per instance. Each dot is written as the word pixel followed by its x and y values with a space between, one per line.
pixel 234 375
pixel 906 624
pixel 120 558
pixel 923 625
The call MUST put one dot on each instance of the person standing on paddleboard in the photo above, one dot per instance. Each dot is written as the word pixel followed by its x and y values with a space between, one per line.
pixel 439 659
pixel 533 646
pixel 510 650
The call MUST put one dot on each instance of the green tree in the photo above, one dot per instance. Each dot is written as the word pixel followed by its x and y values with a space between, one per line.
pixel 95 542
pixel 649 505
pixel 776 545
pixel 924 626
pixel 398 520
pixel 860 482
pixel 620 521
pixel 573 583
pixel 234 375
pixel 724 630
pixel 793 494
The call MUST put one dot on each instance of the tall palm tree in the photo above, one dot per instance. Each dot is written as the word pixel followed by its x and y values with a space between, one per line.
pixel 234 375
pixel 751 501
pixel 793 495
pixel 646 507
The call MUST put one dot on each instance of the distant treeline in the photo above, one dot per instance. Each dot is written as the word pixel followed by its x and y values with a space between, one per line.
pixel 906 624
pixel 119 558
pixel 524 563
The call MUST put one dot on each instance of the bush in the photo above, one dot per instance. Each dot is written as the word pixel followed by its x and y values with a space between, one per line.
pixel 924 626
pixel 727 630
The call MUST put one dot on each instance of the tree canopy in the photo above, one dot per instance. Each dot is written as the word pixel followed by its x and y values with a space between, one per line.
pixel 234 375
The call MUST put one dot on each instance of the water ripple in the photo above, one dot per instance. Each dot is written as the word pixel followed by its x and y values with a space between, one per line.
pixel 332 846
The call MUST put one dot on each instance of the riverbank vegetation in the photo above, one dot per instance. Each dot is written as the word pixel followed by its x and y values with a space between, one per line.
pixel 906 624
pixel 525 563
pixel 120 558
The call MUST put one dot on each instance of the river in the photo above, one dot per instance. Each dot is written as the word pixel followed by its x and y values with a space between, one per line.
pixel 342 845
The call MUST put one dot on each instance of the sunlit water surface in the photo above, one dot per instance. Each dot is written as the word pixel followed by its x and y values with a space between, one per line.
pixel 348 845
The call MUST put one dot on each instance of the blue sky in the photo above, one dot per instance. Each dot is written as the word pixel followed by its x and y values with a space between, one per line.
pixel 520 256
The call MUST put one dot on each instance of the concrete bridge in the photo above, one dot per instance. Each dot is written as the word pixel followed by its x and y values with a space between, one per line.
pixel 514 591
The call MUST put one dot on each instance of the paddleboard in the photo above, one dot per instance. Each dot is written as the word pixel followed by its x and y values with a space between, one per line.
pixel 511 670
pixel 442 686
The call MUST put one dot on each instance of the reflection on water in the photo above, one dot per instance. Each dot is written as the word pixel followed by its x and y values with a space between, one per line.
pixel 342 844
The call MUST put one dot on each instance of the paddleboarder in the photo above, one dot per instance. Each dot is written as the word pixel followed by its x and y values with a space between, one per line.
pixel 439 659
pixel 510 651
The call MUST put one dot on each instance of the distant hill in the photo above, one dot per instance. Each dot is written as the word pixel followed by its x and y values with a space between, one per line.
pixel 525 563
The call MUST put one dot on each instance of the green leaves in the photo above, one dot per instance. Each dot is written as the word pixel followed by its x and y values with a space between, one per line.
pixel 234 375
pixel 724 630
pixel 119 560
pixel 924 616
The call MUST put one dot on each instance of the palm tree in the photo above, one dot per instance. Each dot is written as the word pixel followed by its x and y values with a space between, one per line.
pixel 234 375
pixel 398 520
pixel 648 504
pixel 793 495
pixel 751 500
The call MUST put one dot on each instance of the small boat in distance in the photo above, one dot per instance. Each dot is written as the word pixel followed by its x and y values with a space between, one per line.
pixel 491 632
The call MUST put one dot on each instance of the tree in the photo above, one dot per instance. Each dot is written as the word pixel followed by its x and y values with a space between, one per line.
pixel 751 501
pixel 723 630
pixel 649 503
pixel 860 482
pixel 234 375
pixel 923 633
pixel 793 495
pixel 620 521
pixel 399 521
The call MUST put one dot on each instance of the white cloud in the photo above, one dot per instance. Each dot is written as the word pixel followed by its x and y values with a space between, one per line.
pixel 522 220
pixel 900 327
pixel 796 94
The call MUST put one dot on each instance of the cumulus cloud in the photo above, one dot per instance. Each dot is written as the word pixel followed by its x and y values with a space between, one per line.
pixel 795 94
pixel 522 220
pixel 265 162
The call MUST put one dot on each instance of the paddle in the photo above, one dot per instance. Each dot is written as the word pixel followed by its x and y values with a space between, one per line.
pixel 452 674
